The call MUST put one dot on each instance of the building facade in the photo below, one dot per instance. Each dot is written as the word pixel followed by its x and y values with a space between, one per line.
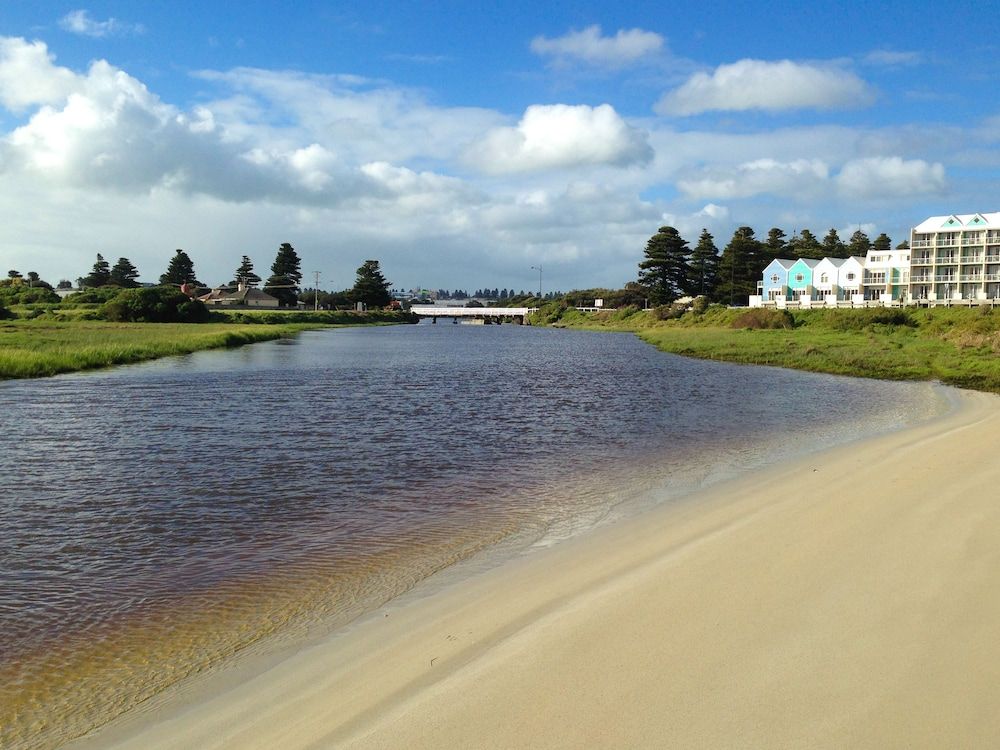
pixel 956 257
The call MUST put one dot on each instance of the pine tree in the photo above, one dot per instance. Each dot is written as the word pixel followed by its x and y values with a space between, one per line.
pixel 180 271
pixel 859 244
pixel 704 266
pixel 833 247
pixel 123 273
pixel 805 245
pixel 245 273
pixel 740 268
pixel 100 274
pixel 283 282
pixel 776 246
pixel 665 272
pixel 882 244
pixel 370 286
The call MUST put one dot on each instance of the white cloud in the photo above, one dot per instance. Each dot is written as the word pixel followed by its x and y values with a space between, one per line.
pixel 892 58
pixel 80 22
pixel 769 86
pixel 626 47
pixel 561 136
pixel 28 76
pixel 790 178
pixel 891 177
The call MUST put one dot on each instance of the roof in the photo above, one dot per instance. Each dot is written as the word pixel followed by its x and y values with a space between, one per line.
pixel 835 262
pixel 811 262
pixel 958 222
pixel 785 263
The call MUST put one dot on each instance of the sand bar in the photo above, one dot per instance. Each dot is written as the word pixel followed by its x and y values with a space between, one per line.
pixel 848 599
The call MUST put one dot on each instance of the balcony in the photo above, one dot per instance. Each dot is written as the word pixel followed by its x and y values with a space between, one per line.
pixel 972 259
pixel 946 259
pixel 973 240
pixel 921 243
pixel 923 260
pixel 977 277
pixel 950 278
pixel 947 242
pixel 921 279
pixel 993 258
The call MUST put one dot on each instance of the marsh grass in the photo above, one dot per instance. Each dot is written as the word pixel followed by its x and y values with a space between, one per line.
pixel 958 346
pixel 39 347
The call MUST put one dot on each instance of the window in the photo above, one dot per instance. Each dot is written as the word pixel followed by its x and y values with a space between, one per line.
pixel 850 277
pixel 824 278
pixel 774 278
pixel 799 277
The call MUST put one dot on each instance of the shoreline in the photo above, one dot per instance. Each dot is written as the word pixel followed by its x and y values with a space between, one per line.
pixel 553 648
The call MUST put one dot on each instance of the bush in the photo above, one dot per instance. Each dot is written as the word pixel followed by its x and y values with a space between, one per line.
pixel 97 295
pixel 760 318
pixel 669 312
pixel 857 320
pixel 22 294
pixel 5 314
pixel 700 305
pixel 157 304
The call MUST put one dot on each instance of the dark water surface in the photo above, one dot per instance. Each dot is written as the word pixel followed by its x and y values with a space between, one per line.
pixel 159 518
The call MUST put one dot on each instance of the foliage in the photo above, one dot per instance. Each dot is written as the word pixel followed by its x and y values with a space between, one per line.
pixel 805 245
pixel 97 296
pixel 5 314
pixel 740 268
pixel 775 246
pixel 859 243
pixel 833 246
pixel 665 272
pixel 180 271
pixel 859 320
pixel 100 274
pixel 124 274
pixel 669 312
pixel 371 286
pixel 283 282
pixel 759 318
pixel 704 266
pixel 325 317
pixel 882 244
pixel 245 273
pixel 157 304
pixel 22 294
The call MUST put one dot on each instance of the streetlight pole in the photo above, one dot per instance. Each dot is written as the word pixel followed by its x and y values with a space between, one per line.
pixel 539 269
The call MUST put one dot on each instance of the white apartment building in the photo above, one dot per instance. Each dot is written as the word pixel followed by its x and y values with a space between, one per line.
pixel 956 258
pixel 887 275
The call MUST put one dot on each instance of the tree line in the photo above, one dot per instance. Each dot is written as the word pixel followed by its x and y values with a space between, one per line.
pixel 671 268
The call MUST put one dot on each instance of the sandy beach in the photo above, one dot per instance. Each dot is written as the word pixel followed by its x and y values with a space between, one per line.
pixel 847 599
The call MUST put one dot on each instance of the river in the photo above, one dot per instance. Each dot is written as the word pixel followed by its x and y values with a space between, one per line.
pixel 158 519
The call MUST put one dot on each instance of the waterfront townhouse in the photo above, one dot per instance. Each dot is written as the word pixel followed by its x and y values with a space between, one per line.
pixel 774 283
pixel 887 275
pixel 955 257
pixel 800 280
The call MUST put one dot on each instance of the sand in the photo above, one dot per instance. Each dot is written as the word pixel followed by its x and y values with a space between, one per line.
pixel 848 599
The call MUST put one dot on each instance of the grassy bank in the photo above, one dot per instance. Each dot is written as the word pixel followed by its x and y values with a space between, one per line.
pixel 956 346
pixel 37 348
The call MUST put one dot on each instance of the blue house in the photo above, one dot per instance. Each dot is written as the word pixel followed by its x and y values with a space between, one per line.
pixel 775 279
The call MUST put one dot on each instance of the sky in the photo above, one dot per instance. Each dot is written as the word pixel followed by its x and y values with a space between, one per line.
pixel 465 145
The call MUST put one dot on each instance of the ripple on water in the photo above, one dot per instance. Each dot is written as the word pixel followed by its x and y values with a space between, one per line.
pixel 159 519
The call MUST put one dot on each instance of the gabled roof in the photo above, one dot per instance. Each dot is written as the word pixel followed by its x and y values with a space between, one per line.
pixel 785 263
pixel 811 262
pixel 835 262
pixel 957 222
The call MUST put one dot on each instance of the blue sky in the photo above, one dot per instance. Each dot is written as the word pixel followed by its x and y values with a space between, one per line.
pixel 463 143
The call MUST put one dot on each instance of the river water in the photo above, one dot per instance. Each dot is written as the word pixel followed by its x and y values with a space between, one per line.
pixel 158 519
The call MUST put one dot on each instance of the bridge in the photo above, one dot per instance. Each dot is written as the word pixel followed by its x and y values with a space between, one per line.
pixel 485 315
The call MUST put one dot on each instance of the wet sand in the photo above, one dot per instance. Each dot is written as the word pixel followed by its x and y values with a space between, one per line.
pixel 847 599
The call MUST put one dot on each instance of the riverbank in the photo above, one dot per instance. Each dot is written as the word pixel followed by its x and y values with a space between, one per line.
pixel 959 347
pixel 43 346
pixel 845 599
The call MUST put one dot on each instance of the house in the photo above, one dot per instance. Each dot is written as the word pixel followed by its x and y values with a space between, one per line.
pixel 244 296
pixel 775 281
pixel 800 279
pixel 887 274
pixel 826 280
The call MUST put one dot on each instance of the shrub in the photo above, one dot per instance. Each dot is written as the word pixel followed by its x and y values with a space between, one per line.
pixel 759 318
pixel 669 312
pixel 700 305
pixel 856 320
pixel 158 304
pixel 5 314
pixel 22 294
pixel 97 295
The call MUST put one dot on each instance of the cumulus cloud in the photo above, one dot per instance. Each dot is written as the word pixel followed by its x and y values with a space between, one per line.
pixel 589 45
pixel 561 136
pixel 790 178
pixel 80 22
pixel 770 86
pixel 29 76
pixel 891 177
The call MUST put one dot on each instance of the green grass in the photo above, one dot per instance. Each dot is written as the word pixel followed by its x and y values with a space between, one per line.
pixel 956 346
pixel 40 347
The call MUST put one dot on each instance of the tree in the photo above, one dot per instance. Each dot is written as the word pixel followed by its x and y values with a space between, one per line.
pixel 904 245
pixel 370 286
pixel 100 274
pixel 244 274
pixel 882 244
pixel 740 268
pixel 833 246
pixel 775 246
pixel 805 245
pixel 180 271
pixel 665 272
pixel 64 284
pixel 124 274
pixel 859 244
pixel 704 265
pixel 12 274
pixel 32 278
pixel 283 282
